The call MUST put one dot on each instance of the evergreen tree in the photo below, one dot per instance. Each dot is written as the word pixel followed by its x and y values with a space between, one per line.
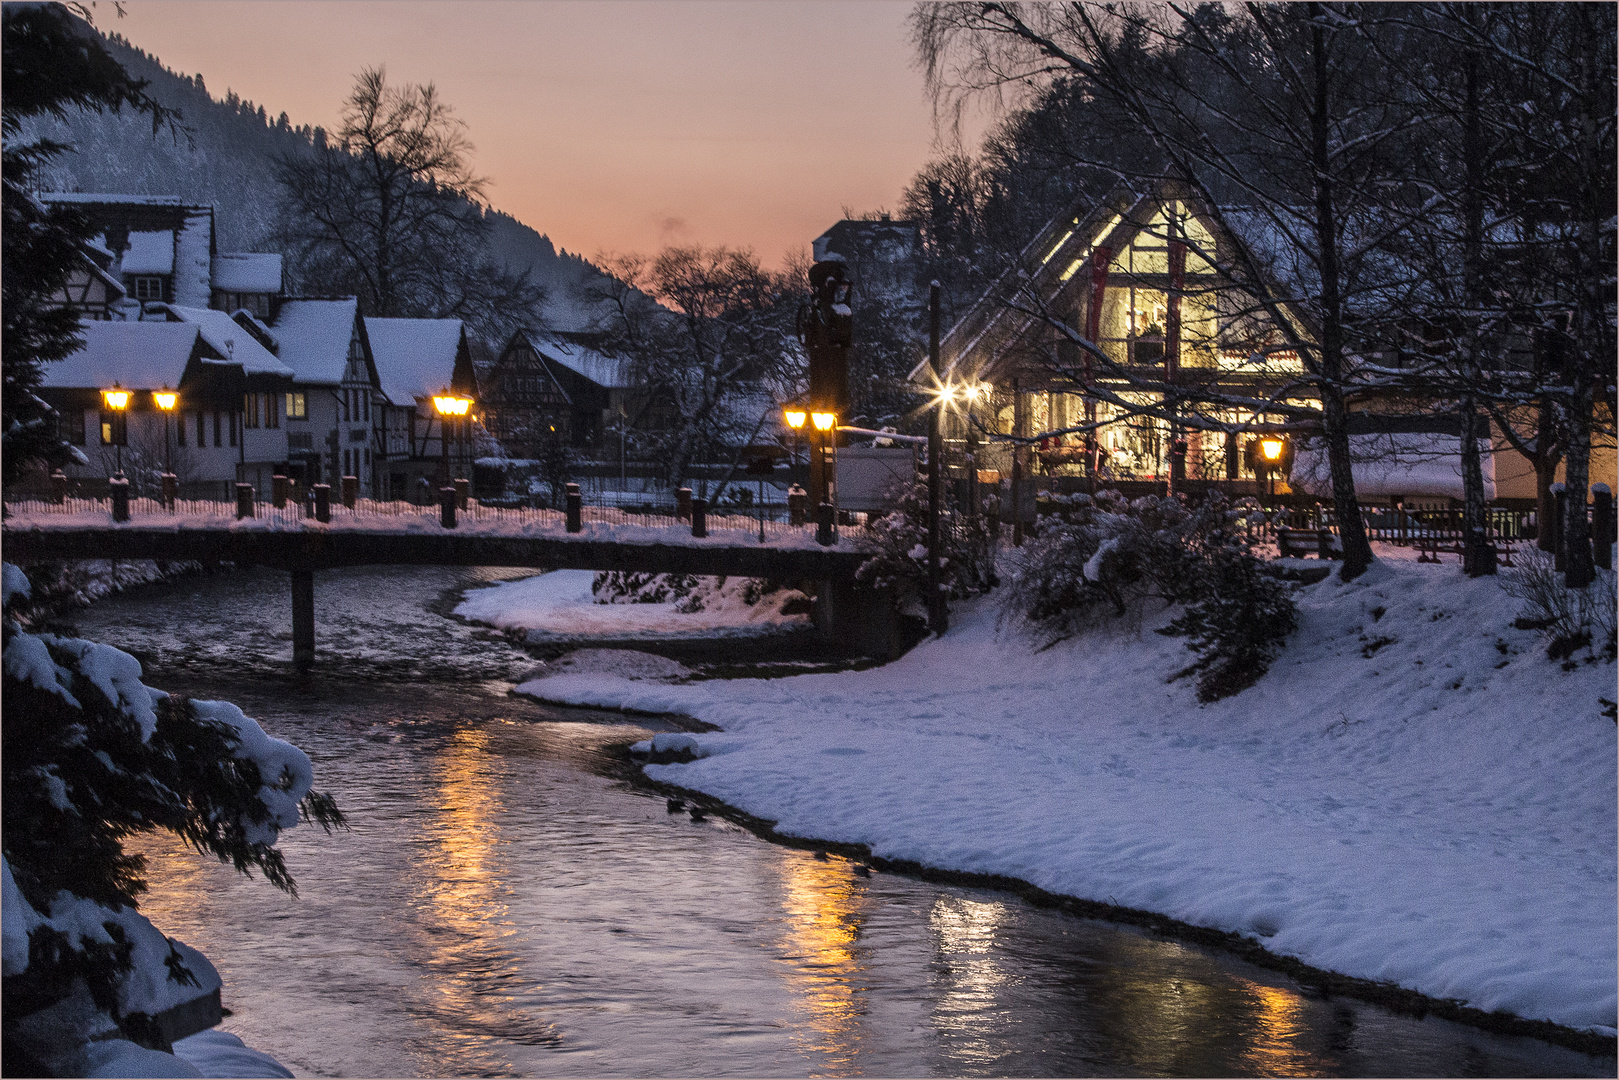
pixel 90 757
pixel 51 67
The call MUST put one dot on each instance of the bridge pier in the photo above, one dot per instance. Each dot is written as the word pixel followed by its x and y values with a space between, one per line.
pixel 303 619
pixel 858 619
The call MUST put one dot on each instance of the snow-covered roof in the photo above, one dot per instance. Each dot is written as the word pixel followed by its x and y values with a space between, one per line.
pixel 139 355
pixel 149 253
pixel 115 199
pixel 230 340
pixel 415 357
pixel 314 336
pixel 257 325
pixel 115 287
pixel 612 372
pixel 247 271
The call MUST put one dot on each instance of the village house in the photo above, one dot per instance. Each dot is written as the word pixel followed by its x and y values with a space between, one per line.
pixel 1137 276
pixel 560 385
pixel 258 383
pixel 419 359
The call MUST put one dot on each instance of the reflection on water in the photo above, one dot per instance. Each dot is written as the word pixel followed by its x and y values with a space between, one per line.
pixel 501 908
pixel 825 910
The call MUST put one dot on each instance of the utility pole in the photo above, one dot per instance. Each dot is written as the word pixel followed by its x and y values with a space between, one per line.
pixel 938 613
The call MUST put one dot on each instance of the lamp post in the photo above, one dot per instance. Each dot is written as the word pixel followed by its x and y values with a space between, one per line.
pixel 448 405
pixel 116 431
pixel 938 614
pixel 166 399
pixel 823 433
pixel 1270 451
pixel 796 418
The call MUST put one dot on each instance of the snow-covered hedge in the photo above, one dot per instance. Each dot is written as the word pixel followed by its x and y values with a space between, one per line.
pixel 92 755
pixel 900 540
pixel 1107 556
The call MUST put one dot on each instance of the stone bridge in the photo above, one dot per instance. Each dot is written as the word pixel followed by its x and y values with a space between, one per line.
pixel 854 619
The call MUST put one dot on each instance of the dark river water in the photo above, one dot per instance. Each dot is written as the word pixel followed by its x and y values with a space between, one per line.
pixel 502 907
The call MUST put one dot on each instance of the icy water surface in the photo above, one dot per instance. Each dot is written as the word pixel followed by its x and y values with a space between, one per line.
pixel 500 907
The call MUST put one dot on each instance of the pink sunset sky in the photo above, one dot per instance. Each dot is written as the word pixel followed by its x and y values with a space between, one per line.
pixel 610 125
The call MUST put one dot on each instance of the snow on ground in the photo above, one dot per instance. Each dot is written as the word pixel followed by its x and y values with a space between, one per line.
pixel 1414 793
pixel 560 605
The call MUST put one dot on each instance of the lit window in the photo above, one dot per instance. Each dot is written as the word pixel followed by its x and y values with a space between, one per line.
pixel 297 406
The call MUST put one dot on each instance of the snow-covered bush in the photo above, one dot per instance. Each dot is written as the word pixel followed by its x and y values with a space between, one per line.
pixel 692 593
pixel 900 549
pixel 1569 618
pixel 1108 556
pixel 1236 619
pixel 633 587
pixel 91 756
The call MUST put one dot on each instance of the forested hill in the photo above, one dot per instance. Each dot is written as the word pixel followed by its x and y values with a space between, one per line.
pixel 227 162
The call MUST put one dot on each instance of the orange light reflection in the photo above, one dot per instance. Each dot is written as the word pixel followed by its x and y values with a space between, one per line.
pixel 825 909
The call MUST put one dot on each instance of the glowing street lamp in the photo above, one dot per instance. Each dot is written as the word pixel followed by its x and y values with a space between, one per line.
pixel 823 421
pixel 448 405
pixel 166 399
pixel 116 430
pixel 1272 449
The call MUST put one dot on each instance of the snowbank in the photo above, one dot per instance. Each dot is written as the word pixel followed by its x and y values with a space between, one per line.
pixel 560 605
pixel 1414 793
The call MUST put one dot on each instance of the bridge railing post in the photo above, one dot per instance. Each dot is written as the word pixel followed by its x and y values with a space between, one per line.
pixel 171 489
pixel 279 490
pixel 244 501
pixel 797 505
pixel 683 504
pixel 463 491
pixel 59 487
pixel 323 502
pixel 699 517
pixel 824 516
pixel 118 490
pixel 446 507
pixel 351 491
pixel 575 502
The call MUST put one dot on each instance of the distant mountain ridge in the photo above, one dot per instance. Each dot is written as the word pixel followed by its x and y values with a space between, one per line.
pixel 228 163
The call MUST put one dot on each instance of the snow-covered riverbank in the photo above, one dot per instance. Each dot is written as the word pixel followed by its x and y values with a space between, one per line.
pixel 1413 794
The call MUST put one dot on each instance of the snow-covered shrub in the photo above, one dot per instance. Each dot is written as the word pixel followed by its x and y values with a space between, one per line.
pixel 1569 618
pixel 692 593
pixel 632 587
pixel 1108 556
pixel 1236 620
pixel 899 541
pixel 91 756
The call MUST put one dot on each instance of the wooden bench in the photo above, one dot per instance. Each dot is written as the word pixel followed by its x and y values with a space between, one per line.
pixel 1300 543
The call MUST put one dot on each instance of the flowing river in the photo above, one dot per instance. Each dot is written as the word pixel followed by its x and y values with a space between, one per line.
pixel 501 906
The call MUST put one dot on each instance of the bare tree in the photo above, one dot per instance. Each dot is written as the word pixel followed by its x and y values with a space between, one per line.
pixel 390 210
pixel 1284 108
pixel 714 346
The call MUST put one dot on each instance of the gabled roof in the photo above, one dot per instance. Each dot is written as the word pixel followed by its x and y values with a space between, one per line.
pixel 1050 261
pixel 138 355
pixel 230 340
pixel 415 358
pixel 604 369
pixel 115 287
pixel 247 271
pixel 611 372
pixel 315 335
pixel 1059 258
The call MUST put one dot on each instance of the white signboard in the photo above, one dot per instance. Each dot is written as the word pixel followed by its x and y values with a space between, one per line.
pixel 870 478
